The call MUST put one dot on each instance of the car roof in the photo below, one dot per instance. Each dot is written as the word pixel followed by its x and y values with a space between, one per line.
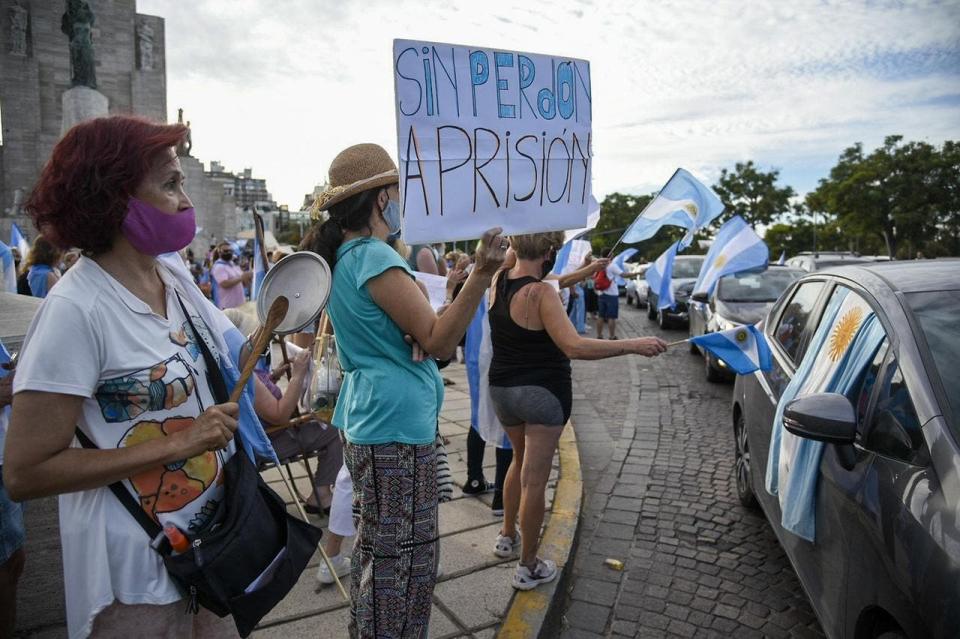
pixel 912 276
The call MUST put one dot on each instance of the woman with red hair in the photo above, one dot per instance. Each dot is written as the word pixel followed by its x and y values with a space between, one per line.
pixel 113 357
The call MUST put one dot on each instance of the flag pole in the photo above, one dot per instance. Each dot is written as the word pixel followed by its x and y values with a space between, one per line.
pixel 678 342
pixel 652 200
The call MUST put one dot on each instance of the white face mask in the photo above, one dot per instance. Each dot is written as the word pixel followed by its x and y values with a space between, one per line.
pixel 391 216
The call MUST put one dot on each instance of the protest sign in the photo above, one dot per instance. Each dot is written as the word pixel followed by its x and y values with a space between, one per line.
pixel 489 137
pixel 436 287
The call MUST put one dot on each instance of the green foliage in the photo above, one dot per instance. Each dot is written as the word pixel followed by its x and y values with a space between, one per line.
pixel 753 194
pixel 903 194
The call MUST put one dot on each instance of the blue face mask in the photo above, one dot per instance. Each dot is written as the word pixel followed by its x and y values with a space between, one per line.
pixel 391 215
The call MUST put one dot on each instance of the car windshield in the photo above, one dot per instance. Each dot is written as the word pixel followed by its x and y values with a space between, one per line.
pixel 756 287
pixel 684 269
pixel 937 314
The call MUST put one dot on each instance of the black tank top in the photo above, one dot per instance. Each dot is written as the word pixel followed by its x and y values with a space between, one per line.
pixel 521 356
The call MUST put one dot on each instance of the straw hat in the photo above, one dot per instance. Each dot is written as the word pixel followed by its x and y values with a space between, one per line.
pixel 356 169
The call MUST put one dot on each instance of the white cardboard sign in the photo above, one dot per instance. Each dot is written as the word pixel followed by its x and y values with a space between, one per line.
pixel 490 137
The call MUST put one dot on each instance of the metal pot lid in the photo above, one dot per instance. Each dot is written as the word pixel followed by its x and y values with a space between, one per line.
pixel 304 278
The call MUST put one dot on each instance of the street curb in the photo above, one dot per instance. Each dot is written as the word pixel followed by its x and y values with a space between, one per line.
pixel 529 615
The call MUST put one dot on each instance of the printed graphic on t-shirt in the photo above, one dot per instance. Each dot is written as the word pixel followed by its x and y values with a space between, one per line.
pixel 165 397
pixel 169 488
pixel 185 338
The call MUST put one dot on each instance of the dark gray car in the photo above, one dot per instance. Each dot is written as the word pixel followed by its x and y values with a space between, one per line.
pixel 737 299
pixel 686 268
pixel 886 557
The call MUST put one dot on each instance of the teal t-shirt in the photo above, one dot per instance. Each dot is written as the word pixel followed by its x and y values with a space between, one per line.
pixel 385 396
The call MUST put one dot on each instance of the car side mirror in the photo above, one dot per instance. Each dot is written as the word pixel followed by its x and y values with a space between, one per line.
pixel 701 297
pixel 824 417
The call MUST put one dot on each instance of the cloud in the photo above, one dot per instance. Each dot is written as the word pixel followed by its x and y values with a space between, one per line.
pixel 283 86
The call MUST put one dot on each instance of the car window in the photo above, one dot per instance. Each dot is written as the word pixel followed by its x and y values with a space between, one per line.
pixel 867 384
pixel 796 316
pixel 756 287
pixel 683 269
pixel 894 428
pixel 937 314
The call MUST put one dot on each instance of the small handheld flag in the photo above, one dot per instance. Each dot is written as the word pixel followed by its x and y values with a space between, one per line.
pixel 621 262
pixel 783 259
pixel 660 277
pixel 18 239
pixel 736 248
pixel 744 349
pixel 260 264
pixel 683 201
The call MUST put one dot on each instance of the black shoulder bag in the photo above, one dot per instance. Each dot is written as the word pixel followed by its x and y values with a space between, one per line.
pixel 251 538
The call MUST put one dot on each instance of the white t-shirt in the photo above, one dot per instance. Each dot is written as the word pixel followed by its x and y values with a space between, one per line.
pixel 613 272
pixel 143 377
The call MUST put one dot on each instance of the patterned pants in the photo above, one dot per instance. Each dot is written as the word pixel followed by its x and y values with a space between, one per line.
pixel 396 551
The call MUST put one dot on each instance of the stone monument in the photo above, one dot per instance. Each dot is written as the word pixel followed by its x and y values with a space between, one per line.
pixel 144 45
pixel 82 101
pixel 19 20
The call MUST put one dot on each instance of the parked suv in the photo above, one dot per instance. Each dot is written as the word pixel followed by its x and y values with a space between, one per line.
pixel 885 555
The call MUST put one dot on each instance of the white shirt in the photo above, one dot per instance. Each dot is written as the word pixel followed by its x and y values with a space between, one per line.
pixel 142 376
pixel 613 272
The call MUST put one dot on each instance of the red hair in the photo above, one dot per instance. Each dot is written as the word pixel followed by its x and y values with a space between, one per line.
pixel 81 196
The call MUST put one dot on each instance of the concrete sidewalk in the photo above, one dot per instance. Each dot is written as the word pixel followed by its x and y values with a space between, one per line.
pixel 472 598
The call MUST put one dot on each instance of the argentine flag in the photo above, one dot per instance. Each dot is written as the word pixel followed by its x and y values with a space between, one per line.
pixel 683 201
pixel 621 262
pixel 259 270
pixel 18 239
pixel 593 218
pixel 736 248
pixel 660 277
pixel 744 348
pixel 570 257
pixel 8 271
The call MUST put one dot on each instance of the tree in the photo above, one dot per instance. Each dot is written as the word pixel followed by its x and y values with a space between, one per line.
pixel 905 194
pixel 753 194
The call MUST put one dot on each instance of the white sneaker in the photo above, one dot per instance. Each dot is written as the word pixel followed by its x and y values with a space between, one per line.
pixel 341 565
pixel 543 572
pixel 507 547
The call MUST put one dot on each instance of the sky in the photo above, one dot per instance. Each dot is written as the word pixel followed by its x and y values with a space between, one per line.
pixel 283 85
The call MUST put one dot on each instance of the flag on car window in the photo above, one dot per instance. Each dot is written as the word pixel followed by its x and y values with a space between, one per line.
pixel 660 275
pixel 683 201
pixel 736 248
pixel 744 348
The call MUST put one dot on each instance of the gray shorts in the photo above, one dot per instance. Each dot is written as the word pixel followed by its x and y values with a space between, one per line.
pixel 515 405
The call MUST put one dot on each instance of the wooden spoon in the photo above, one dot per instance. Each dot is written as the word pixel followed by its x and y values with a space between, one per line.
pixel 278 311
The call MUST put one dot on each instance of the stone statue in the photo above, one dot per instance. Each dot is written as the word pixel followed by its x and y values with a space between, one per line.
pixel 18 29
pixel 184 147
pixel 77 24
pixel 145 45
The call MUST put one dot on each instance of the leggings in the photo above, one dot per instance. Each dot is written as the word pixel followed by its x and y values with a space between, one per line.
pixel 397 549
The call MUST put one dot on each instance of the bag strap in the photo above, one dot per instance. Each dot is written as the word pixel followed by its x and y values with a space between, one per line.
pixel 151 527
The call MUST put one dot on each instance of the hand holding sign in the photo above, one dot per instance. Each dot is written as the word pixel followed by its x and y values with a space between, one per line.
pixel 491 252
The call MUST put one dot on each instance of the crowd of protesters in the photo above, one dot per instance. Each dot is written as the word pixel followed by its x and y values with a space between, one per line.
pixel 122 307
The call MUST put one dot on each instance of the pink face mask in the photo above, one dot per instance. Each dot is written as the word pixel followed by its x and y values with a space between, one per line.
pixel 153 232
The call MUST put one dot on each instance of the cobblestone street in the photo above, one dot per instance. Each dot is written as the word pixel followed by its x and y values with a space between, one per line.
pixel 657 452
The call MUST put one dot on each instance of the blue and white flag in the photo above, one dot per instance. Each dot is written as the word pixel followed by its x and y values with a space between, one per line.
pixel 783 259
pixel 621 263
pixel 683 201
pixel 660 277
pixel 593 218
pixel 736 248
pixel 260 264
pixel 570 256
pixel 744 349
pixel 8 270
pixel 19 240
